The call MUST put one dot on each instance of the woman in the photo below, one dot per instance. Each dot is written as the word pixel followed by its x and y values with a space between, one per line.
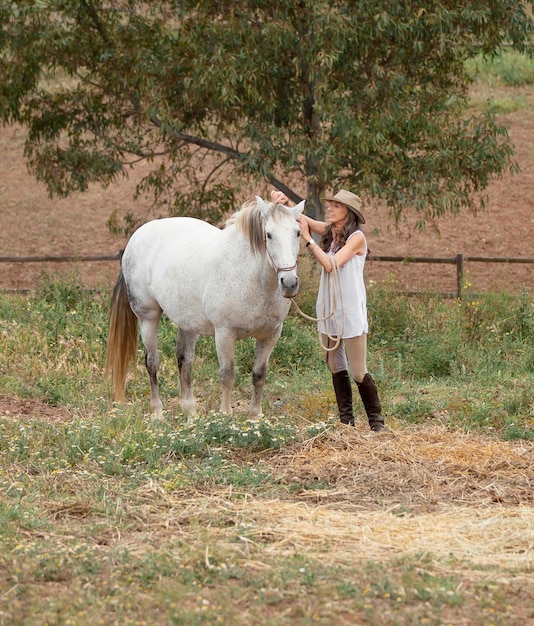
pixel 343 331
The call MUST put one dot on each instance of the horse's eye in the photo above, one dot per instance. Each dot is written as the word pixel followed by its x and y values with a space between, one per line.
pixel 298 234
pixel 269 236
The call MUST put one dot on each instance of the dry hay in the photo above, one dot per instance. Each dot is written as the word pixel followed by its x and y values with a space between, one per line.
pixel 470 501
pixel 460 499
pixel 253 531
pixel 417 468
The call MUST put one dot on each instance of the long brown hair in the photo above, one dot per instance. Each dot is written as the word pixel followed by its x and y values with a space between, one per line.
pixel 351 225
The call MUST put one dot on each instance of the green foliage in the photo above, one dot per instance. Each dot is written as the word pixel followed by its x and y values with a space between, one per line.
pixel 221 96
pixel 63 329
pixel 501 81
pixel 482 343
pixel 414 409
pixel 429 336
pixel 124 445
pixel 296 346
pixel 473 358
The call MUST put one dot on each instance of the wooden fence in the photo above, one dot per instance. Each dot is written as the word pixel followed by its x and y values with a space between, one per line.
pixel 457 260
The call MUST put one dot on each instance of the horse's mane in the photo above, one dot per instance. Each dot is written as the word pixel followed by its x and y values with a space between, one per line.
pixel 251 222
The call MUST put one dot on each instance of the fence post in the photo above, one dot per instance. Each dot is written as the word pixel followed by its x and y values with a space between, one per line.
pixel 459 275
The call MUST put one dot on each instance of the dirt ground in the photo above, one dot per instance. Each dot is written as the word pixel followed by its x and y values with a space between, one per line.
pixel 35 225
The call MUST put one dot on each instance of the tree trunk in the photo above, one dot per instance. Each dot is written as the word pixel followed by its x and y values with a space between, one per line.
pixel 314 205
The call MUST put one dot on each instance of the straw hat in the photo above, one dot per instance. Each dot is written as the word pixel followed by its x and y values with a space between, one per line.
pixel 350 200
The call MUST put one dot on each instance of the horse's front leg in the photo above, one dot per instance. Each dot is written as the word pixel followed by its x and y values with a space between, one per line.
pixel 263 350
pixel 225 345
pixel 149 336
pixel 185 353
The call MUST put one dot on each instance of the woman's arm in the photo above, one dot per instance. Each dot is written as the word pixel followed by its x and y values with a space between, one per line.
pixel 314 226
pixel 354 246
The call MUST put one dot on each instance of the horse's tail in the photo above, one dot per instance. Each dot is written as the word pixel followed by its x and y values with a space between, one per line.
pixel 122 339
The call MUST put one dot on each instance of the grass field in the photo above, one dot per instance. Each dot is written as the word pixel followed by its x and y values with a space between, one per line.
pixel 110 517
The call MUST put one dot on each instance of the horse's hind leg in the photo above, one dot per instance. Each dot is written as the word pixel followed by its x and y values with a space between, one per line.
pixel 225 344
pixel 263 350
pixel 185 353
pixel 149 335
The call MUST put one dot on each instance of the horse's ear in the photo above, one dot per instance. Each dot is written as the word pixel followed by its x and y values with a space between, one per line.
pixel 297 209
pixel 262 205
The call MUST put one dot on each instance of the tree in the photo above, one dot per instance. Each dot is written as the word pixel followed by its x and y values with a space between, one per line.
pixel 316 94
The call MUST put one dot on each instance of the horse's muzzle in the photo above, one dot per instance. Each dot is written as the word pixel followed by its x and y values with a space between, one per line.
pixel 289 284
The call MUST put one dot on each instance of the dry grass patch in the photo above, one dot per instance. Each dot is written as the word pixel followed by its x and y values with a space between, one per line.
pixel 253 531
pixel 411 491
pixel 414 469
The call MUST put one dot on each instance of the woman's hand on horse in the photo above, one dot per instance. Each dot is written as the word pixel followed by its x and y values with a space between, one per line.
pixel 304 228
pixel 280 197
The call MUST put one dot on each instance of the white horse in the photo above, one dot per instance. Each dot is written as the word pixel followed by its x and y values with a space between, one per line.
pixel 232 283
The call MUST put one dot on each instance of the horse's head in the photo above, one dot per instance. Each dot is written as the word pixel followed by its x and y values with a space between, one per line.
pixel 281 239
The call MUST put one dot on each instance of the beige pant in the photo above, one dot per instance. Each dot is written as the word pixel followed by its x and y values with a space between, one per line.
pixel 351 354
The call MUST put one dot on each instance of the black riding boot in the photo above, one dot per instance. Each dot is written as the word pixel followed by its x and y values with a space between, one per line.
pixel 371 402
pixel 343 390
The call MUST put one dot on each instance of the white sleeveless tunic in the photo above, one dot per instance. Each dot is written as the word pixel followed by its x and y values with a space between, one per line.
pixel 352 300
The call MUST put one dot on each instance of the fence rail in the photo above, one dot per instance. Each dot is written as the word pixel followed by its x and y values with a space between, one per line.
pixel 458 260
pixel 60 259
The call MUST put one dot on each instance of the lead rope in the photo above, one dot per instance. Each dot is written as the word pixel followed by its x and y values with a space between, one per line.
pixel 331 292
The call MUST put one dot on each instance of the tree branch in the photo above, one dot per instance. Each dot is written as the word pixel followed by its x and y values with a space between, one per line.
pixel 197 141
pixel 231 153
